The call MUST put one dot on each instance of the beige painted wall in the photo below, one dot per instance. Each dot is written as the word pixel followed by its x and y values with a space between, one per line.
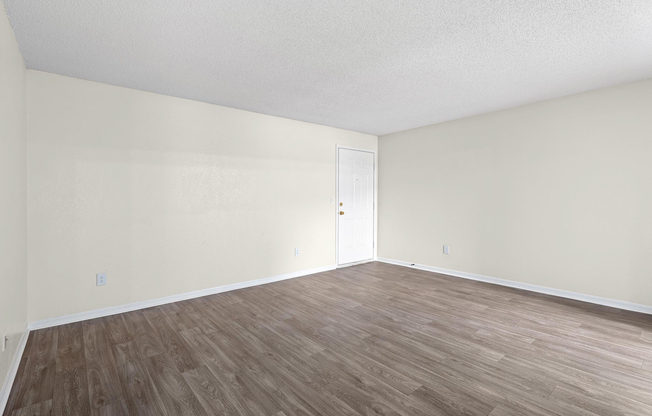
pixel 13 194
pixel 168 195
pixel 556 194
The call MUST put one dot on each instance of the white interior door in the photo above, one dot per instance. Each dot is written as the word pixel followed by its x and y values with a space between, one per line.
pixel 355 206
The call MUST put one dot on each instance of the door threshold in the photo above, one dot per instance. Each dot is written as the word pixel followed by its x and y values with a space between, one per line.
pixel 355 263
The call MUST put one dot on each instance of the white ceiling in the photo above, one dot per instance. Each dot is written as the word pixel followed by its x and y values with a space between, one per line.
pixel 373 66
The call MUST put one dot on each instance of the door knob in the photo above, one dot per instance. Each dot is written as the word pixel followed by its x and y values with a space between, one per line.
pixel 341 203
pixel 341 212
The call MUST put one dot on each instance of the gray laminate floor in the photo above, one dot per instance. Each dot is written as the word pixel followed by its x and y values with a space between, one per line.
pixel 374 339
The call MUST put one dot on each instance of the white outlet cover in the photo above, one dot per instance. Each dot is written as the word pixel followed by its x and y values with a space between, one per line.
pixel 296 252
pixel 447 250
pixel 100 279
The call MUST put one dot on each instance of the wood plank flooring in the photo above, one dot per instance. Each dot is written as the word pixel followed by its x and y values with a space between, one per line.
pixel 374 339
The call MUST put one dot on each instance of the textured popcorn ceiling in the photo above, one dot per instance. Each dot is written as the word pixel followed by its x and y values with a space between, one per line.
pixel 375 66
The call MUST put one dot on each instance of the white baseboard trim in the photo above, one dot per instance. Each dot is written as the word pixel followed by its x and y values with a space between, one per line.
pixel 113 310
pixel 635 307
pixel 13 369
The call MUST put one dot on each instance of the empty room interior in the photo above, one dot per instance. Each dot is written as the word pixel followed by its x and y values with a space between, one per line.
pixel 279 208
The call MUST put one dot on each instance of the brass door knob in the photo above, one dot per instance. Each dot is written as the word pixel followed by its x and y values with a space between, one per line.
pixel 341 212
pixel 341 203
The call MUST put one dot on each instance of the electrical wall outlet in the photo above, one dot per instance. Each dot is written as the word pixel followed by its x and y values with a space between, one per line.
pixel 5 339
pixel 447 250
pixel 100 279
pixel 296 252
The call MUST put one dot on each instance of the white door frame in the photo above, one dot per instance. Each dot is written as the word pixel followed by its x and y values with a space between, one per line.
pixel 337 206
